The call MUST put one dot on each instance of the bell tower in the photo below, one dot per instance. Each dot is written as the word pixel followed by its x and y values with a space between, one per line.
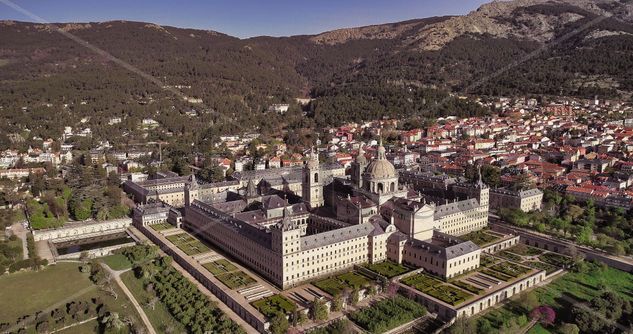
pixel 312 185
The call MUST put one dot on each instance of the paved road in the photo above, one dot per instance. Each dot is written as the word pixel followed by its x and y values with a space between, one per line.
pixel 117 278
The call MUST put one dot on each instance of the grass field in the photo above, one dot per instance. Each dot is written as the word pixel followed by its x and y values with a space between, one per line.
pixel 159 316
pixel 27 292
pixel 388 268
pixel 88 327
pixel 272 305
pixel 117 262
pixel 335 285
pixel 188 244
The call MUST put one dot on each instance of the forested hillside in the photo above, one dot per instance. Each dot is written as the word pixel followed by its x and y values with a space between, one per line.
pixel 410 68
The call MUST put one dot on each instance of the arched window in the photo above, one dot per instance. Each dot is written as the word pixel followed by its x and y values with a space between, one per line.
pixel 393 186
pixel 316 177
pixel 380 188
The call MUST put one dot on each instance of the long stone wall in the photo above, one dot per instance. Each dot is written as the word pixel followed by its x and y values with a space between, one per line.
pixel 80 230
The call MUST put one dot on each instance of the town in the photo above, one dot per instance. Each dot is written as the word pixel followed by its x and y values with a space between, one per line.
pixel 447 222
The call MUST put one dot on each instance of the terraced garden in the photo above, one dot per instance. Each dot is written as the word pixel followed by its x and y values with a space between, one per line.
pixel 542 266
pixel 161 226
pixel 468 287
pixel 525 250
pixel 236 279
pixel 388 268
pixel 556 259
pixel 438 289
pixel 335 285
pixel 221 266
pixel 229 274
pixel 480 238
pixel 188 244
pixel 511 269
pixel 272 305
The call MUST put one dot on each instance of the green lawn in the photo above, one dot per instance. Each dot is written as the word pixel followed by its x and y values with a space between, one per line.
pixel 117 262
pixel 272 305
pixel 538 329
pixel 27 292
pixel 468 287
pixel 335 285
pixel 220 267
pixel 388 268
pixel 236 279
pixel 159 316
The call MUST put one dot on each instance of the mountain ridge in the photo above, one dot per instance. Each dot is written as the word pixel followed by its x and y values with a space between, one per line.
pixel 392 70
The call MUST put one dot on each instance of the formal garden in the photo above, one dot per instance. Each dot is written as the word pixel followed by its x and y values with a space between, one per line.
pixel 236 279
pixel 161 226
pixel 480 238
pixel 525 250
pixel 221 266
pixel 273 305
pixel 549 269
pixel 386 314
pixel 556 260
pixel 437 288
pixel 337 284
pixel 388 268
pixel 188 244
pixel 227 273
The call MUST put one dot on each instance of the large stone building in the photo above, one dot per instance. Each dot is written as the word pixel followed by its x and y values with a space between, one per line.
pixel 339 222
pixel 524 200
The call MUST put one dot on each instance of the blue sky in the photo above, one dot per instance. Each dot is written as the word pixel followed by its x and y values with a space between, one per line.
pixel 242 18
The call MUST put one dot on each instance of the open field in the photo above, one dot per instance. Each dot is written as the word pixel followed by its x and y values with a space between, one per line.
pixel 335 285
pixel 27 292
pixel 53 288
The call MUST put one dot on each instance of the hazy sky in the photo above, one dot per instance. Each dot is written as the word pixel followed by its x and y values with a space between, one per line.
pixel 241 18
